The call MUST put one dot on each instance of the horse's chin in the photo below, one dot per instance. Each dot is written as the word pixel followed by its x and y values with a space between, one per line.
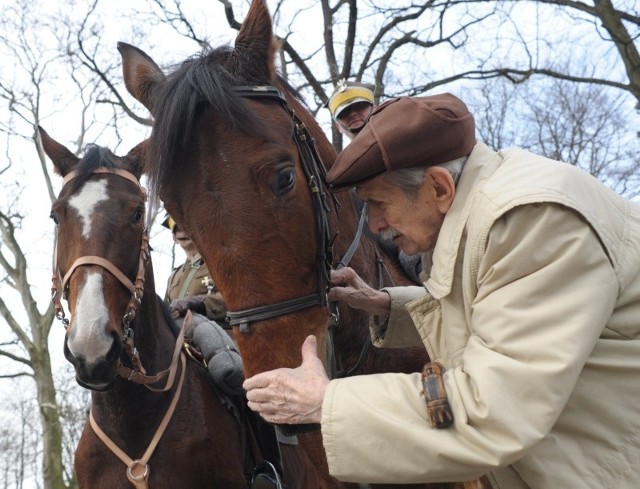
pixel 101 387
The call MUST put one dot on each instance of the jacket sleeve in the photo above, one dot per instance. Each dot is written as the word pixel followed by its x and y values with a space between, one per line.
pixel 400 331
pixel 545 291
pixel 170 286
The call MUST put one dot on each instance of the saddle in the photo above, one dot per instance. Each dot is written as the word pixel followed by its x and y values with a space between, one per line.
pixel 211 346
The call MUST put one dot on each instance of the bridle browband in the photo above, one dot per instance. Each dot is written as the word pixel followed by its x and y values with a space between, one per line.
pixel 315 173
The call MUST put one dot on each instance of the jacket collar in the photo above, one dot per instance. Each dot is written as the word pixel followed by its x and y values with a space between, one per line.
pixel 482 162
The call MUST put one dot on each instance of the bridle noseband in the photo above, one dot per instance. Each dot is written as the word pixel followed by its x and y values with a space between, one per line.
pixel 315 172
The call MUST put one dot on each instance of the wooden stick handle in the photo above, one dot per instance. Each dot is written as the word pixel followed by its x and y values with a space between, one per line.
pixel 438 408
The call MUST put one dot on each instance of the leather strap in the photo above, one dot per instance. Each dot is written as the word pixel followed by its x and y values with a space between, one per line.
pixel 140 377
pixel 438 408
pixel 138 470
pixel 102 262
pixel 185 285
pixel 113 171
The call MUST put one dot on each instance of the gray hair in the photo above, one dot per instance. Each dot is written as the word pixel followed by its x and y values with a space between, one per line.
pixel 410 179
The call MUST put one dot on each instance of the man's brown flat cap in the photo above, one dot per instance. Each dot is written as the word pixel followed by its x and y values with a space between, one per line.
pixel 406 132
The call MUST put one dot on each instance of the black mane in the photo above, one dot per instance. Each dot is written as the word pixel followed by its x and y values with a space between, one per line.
pixel 198 82
pixel 94 157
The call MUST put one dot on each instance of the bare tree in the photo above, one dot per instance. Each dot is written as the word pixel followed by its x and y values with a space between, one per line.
pixel 41 81
pixel 20 436
pixel 579 124
pixel 29 350
pixel 615 26
pixel 412 48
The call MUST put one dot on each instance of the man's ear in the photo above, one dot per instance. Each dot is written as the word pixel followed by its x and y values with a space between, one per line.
pixel 442 188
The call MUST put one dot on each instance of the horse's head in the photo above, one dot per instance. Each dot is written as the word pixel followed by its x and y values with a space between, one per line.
pixel 228 166
pixel 99 214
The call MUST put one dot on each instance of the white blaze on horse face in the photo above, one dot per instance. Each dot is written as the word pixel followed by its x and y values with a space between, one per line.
pixel 88 335
pixel 86 201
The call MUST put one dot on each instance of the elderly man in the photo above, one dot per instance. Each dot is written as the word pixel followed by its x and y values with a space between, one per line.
pixel 531 305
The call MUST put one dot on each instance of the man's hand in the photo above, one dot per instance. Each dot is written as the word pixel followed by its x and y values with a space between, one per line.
pixel 179 307
pixel 290 396
pixel 348 287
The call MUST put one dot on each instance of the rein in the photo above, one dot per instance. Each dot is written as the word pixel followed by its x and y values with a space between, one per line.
pixel 138 470
pixel 315 173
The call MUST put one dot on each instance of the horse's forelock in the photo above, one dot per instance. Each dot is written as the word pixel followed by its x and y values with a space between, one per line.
pixel 199 82
pixel 94 157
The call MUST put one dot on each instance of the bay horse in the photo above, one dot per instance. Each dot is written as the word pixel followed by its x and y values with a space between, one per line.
pixel 240 162
pixel 164 430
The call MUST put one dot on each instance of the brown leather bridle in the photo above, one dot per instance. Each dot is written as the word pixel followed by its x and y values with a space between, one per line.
pixel 137 470
pixel 137 372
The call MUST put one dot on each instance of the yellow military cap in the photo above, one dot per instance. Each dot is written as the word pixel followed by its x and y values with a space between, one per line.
pixel 347 93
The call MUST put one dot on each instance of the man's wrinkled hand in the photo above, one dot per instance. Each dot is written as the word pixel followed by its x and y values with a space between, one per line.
pixel 290 396
pixel 347 286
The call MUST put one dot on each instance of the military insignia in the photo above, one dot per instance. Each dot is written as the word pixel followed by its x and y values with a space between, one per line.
pixel 208 283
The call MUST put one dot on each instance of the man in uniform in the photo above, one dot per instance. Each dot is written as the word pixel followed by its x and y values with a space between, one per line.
pixel 190 285
pixel 351 105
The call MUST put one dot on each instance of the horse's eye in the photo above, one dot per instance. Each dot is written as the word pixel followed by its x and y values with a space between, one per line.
pixel 283 181
pixel 53 217
pixel 138 214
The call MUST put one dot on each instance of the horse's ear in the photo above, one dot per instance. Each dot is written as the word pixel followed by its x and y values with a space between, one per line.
pixel 255 46
pixel 63 160
pixel 141 74
pixel 137 159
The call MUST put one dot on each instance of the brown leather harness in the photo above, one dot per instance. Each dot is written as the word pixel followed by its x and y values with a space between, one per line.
pixel 137 470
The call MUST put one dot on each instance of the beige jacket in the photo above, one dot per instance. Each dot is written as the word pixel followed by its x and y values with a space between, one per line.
pixel 533 306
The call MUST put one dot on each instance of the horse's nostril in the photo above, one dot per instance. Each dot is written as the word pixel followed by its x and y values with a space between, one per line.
pixel 68 355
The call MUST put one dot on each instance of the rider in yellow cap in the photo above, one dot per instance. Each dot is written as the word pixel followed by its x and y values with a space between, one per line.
pixel 351 105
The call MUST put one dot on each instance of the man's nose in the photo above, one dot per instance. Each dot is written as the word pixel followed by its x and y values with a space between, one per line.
pixel 376 220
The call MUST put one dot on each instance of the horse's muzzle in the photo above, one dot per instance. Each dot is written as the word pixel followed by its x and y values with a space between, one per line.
pixel 97 376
